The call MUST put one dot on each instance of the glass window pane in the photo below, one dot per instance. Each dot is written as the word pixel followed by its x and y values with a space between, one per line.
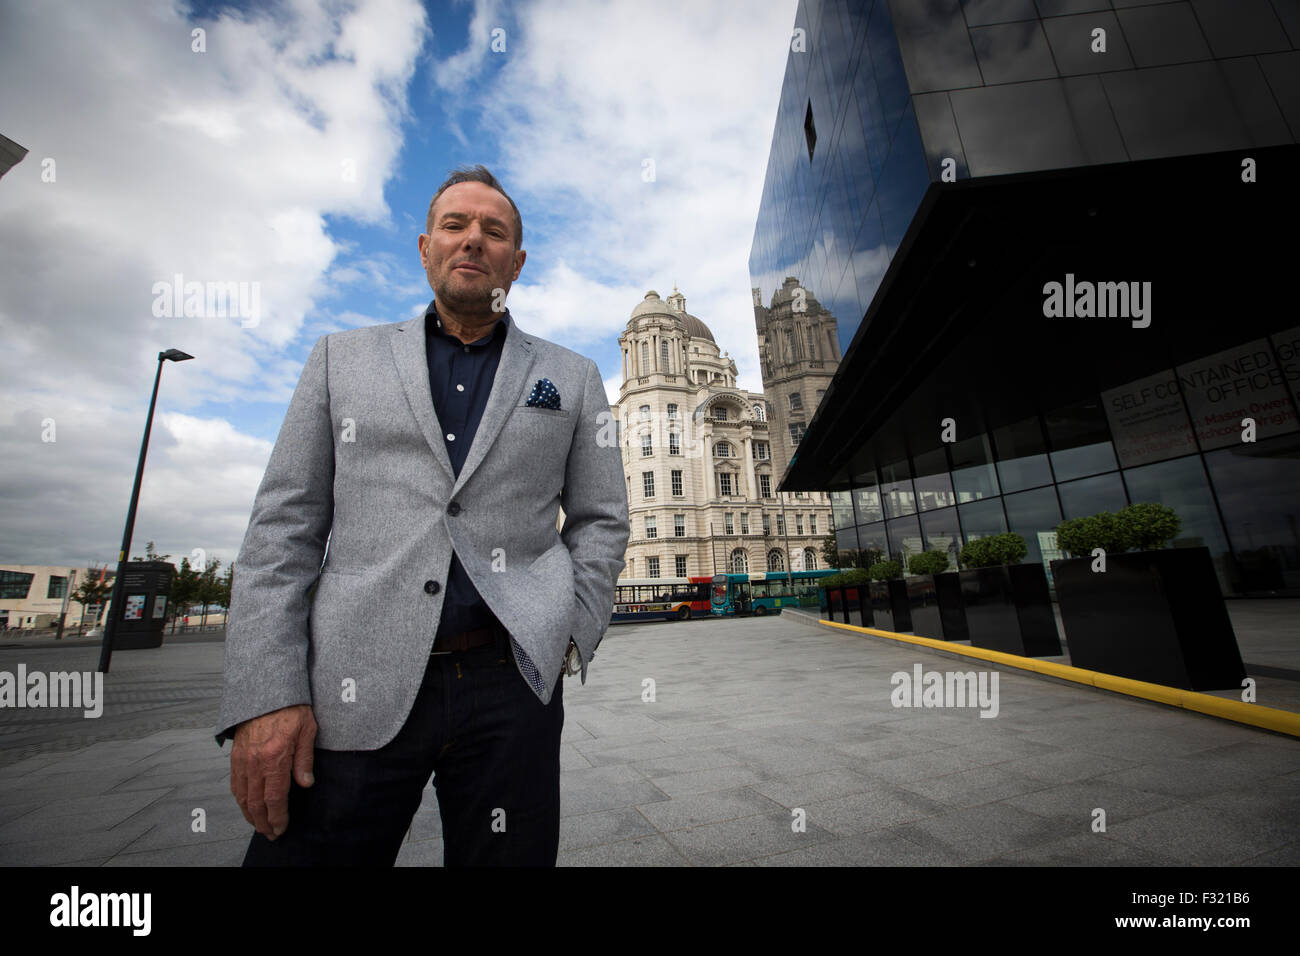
pixel 1182 485
pixel 982 518
pixel 1256 486
pixel 1224 388
pixel 1241 27
pixel 1022 462
pixel 973 474
pixel 1079 499
pixel 904 539
pixel 1013 52
pixel 896 492
pixel 1174 110
pixel 942 533
pixel 1163 34
pixel 842 508
pixel 1033 514
pixel 1080 441
pixel 1016 128
pixel 1148 420
pixel 933 484
pixel 872 538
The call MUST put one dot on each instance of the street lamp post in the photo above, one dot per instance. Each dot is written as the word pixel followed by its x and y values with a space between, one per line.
pixel 115 601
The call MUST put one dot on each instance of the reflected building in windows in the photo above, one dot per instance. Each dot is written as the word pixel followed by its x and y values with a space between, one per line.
pixel 698 458
pixel 1046 233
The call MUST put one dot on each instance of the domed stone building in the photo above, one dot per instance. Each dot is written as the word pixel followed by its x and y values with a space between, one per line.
pixel 697 458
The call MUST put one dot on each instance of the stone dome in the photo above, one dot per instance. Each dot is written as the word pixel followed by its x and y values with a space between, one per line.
pixel 653 305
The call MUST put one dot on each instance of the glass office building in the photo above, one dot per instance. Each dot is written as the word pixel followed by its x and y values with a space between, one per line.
pixel 1055 242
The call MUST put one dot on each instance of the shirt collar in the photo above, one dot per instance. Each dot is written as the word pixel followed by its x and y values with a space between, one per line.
pixel 433 326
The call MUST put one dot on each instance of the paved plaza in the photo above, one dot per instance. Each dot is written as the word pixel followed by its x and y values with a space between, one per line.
pixel 769 741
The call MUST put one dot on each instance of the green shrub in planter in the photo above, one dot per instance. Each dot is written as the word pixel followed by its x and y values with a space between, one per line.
pixel 928 562
pixel 1079 536
pixel 1148 526
pixel 994 550
pixel 856 576
pixel 831 581
pixel 886 571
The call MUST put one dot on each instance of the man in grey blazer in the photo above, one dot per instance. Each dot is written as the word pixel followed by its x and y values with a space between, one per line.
pixel 404 605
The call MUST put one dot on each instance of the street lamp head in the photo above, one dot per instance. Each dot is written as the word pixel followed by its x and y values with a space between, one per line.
pixel 174 355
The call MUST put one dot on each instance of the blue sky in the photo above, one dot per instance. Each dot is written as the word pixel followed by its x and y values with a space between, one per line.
pixel 294 146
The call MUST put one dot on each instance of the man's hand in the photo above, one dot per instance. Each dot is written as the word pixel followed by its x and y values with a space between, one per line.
pixel 267 749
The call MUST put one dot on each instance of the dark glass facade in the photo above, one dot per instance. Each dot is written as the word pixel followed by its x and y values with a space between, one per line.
pixel 937 165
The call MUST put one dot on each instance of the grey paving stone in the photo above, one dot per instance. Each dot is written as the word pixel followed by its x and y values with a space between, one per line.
pixel 1062 766
pixel 1091 849
pixel 579 800
pixel 1071 805
pixel 980 833
pixel 606 826
pixel 889 847
pixel 746 838
pixel 878 808
pixel 683 763
pixel 970 788
pixel 77 815
pixel 702 781
pixel 800 790
pixel 697 809
pixel 69 848
pixel 219 853
pixel 652 850
pixel 1288 855
pixel 1204 836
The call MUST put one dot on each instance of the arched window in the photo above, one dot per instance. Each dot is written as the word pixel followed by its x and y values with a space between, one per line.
pixel 759 413
pixel 645 358
pixel 775 560
pixel 663 355
pixel 809 559
pixel 739 561
pixel 645 413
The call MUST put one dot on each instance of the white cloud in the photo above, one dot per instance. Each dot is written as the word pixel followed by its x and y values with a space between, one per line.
pixel 588 92
pixel 218 166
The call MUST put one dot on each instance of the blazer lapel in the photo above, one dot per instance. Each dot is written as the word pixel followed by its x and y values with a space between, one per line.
pixel 517 356
pixel 413 370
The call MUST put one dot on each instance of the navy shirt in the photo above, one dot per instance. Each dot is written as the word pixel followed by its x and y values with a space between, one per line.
pixel 460 378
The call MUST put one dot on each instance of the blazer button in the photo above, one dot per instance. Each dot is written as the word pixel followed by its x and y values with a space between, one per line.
pixel 432 587
pixel 453 508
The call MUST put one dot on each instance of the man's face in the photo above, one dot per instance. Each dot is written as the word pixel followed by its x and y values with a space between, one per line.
pixel 469 252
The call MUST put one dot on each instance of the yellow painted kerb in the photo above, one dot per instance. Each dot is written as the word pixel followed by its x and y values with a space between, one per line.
pixel 1269 718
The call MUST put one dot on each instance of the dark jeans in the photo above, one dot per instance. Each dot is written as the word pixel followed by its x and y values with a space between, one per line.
pixel 493 749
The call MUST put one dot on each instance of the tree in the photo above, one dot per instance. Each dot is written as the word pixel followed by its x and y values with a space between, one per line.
pixel 151 555
pixel 209 588
pixel 830 553
pixel 184 592
pixel 93 591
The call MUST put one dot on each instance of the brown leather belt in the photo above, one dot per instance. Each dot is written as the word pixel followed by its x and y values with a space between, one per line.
pixel 465 640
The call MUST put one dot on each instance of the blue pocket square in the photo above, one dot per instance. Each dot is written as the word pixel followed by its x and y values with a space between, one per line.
pixel 544 395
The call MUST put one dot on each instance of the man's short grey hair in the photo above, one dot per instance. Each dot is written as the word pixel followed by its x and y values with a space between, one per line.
pixel 477 174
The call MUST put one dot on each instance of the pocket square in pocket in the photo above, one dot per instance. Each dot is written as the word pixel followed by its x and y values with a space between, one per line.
pixel 544 395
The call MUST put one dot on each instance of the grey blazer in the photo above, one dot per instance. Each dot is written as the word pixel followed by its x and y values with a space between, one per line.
pixel 360 463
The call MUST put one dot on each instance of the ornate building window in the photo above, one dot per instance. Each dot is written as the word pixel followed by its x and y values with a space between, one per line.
pixel 645 413
pixel 809 559
pixel 680 569
pixel 674 444
pixel 677 482
pixel 653 565
pixel 724 483
pixel 775 560
pixel 727 526
pixel 651 527
pixel 722 449
pixel 759 412
pixel 739 561
pixel 679 526
pixel 765 486
pixel 672 412
pixel 647 446
pixel 796 402
pixel 744 522
pixel 648 483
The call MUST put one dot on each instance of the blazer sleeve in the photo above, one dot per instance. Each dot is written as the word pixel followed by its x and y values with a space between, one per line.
pixel 596 527
pixel 279 563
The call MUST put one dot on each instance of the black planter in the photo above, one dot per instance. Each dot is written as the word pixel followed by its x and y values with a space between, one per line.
pixel 857 605
pixel 936 606
pixel 1154 616
pixel 890 610
pixel 1009 608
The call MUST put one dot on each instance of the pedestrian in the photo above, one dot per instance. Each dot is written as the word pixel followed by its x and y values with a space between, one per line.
pixel 432 455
